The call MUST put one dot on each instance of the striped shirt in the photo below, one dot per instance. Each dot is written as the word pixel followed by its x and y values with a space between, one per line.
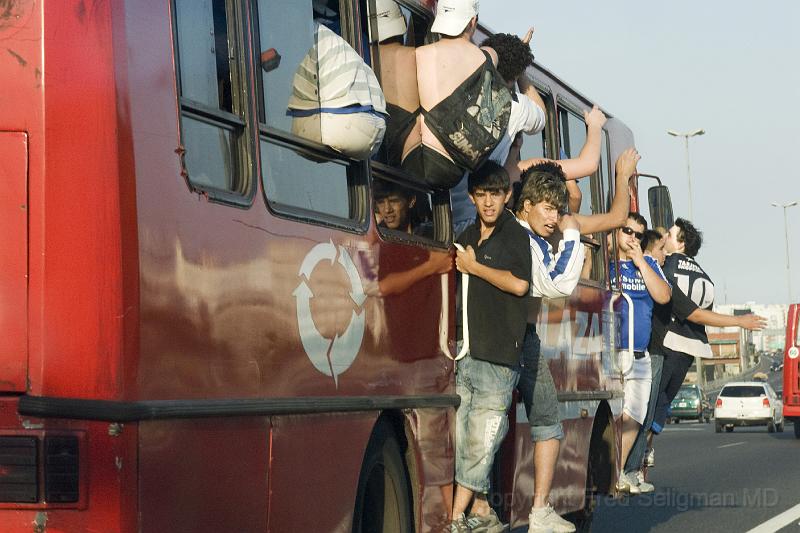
pixel 332 78
pixel 555 275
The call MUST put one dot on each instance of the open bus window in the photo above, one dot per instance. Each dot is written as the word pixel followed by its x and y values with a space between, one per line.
pixel 211 101
pixel 402 212
pixel 302 176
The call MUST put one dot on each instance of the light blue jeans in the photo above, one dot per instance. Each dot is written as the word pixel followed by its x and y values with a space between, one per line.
pixel 482 418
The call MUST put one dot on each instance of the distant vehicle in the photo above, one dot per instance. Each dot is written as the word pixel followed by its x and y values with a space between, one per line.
pixel 690 404
pixel 748 403
pixel 776 366
pixel 791 368
pixel 760 376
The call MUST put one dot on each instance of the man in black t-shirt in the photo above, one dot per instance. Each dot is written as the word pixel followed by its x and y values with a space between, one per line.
pixel 496 256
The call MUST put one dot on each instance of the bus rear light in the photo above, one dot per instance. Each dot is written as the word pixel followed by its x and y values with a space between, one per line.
pixel 61 470
pixel 719 403
pixel 765 402
pixel 18 470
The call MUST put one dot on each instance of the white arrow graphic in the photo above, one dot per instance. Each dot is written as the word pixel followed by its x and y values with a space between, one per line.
pixel 324 250
pixel 315 345
pixel 346 347
pixel 357 288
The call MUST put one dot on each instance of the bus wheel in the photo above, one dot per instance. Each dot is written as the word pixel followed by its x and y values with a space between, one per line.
pixel 796 424
pixel 383 500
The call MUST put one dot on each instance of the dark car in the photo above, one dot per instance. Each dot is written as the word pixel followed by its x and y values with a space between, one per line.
pixel 691 404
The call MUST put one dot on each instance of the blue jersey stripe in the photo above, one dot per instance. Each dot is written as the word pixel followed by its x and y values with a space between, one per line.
pixel 563 261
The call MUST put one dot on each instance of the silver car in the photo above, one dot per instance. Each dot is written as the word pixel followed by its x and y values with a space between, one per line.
pixel 748 403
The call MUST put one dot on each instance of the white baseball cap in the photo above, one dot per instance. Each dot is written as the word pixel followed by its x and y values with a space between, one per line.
pixel 452 16
pixel 391 21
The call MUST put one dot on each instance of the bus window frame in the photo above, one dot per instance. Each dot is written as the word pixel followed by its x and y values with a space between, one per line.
pixel 359 203
pixel 239 54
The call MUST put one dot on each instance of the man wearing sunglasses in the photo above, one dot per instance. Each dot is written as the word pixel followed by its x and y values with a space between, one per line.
pixel 642 280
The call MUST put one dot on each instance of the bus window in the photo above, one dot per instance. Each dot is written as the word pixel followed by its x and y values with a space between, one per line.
pixel 405 213
pixel 301 176
pixel 535 146
pixel 211 96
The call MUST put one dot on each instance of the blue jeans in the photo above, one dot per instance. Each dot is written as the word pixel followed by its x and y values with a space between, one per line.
pixel 538 390
pixel 676 365
pixel 639 449
pixel 482 418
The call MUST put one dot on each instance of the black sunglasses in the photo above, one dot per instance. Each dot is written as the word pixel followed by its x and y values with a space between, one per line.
pixel 630 231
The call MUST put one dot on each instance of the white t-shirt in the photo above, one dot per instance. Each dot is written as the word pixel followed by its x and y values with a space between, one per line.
pixel 525 117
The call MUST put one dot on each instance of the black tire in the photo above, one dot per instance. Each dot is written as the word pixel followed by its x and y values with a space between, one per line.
pixel 796 425
pixel 779 427
pixel 383 499
pixel 677 420
pixel 717 427
pixel 771 426
pixel 728 429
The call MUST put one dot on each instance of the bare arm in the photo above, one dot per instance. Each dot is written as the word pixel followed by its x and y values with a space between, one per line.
pixel 502 279
pixel 624 169
pixel 397 282
pixel 710 318
pixel 589 157
pixel 526 87
pixel 575 197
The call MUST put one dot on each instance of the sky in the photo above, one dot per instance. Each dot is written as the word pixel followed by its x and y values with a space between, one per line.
pixel 729 67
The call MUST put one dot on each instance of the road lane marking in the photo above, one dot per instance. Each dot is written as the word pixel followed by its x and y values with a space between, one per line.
pixel 669 430
pixel 729 445
pixel 778 522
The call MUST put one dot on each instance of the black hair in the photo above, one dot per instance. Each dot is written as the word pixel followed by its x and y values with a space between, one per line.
pixel 544 182
pixel 490 177
pixel 513 55
pixel 651 237
pixel 384 188
pixel 691 237
pixel 639 219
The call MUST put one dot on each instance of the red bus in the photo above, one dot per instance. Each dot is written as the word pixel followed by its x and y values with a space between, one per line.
pixel 199 333
pixel 791 369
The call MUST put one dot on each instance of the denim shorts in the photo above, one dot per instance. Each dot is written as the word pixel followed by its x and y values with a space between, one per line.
pixel 482 418
pixel 538 390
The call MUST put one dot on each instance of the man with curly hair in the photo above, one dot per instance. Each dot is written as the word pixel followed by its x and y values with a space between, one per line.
pixel 527 112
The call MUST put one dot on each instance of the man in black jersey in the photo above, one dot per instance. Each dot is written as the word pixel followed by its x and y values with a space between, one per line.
pixel 679 332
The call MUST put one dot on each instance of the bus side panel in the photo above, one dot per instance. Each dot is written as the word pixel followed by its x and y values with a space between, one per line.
pixel 205 475
pixel 14 261
pixel 314 469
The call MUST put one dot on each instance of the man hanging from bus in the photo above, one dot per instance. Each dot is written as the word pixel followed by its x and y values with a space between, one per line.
pixel 497 258
pixel 543 190
pixel 642 280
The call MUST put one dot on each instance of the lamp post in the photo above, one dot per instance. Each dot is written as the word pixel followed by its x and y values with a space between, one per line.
pixel 688 167
pixel 786 236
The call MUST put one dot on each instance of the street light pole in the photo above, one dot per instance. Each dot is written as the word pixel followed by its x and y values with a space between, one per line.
pixel 786 236
pixel 688 166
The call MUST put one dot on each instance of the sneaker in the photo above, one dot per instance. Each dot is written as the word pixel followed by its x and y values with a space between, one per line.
pixel 626 484
pixel 545 519
pixel 485 524
pixel 459 525
pixel 644 486
pixel 650 458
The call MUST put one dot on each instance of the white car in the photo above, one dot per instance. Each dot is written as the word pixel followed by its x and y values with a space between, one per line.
pixel 748 403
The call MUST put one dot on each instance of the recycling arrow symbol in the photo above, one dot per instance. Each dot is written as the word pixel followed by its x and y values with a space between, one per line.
pixel 330 356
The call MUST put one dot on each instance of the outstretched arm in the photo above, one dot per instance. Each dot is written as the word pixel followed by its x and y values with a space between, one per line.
pixel 656 285
pixel 620 205
pixel 710 318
